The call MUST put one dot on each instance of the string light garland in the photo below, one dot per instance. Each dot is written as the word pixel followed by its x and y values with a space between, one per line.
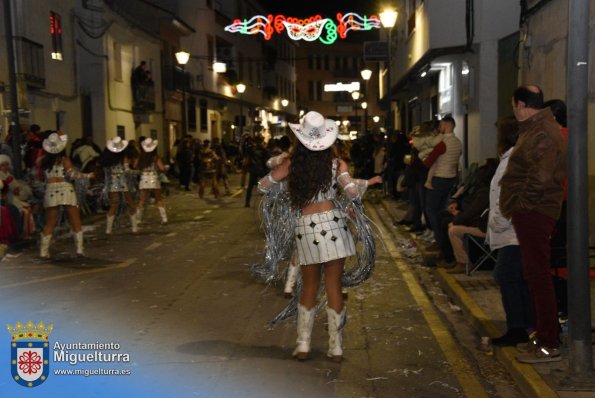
pixel 308 29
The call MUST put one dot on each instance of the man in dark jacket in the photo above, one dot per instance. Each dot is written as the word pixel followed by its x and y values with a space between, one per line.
pixel 531 194
pixel 257 157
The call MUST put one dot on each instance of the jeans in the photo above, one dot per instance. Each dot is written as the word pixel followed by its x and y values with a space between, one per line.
pixel 437 198
pixel 508 274
pixel 418 199
pixel 533 230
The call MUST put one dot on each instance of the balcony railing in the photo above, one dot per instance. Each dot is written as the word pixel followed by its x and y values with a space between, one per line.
pixel 144 97
pixel 30 64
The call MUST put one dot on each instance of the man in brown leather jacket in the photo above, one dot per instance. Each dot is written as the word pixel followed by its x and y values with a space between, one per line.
pixel 532 194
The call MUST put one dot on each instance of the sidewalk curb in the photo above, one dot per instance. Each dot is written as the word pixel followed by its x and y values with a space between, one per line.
pixel 528 379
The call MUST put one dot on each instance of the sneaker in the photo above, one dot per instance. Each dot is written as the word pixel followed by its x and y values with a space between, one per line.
pixel 530 345
pixel 511 338
pixel 541 355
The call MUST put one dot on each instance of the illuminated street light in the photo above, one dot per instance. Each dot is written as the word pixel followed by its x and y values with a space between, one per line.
pixel 376 119
pixel 284 102
pixel 364 105
pixel 366 74
pixel 355 95
pixel 241 88
pixel 219 67
pixel 183 57
pixel 388 18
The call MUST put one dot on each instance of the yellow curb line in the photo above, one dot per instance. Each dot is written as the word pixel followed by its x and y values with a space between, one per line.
pixel 124 264
pixel 470 384
pixel 529 381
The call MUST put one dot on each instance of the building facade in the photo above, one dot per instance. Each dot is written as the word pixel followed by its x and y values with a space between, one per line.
pixel 455 58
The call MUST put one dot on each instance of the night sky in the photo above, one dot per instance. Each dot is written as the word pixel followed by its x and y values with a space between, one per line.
pixel 327 8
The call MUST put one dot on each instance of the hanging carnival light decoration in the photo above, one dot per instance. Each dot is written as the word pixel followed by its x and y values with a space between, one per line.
pixel 308 29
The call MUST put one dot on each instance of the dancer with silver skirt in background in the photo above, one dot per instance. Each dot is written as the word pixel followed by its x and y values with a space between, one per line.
pixel 150 164
pixel 59 191
pixel 116 164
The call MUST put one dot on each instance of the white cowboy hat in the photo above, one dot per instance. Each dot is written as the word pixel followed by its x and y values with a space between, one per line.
pixel 116 144
pixel 55 143
pixel 149 144
pixel 315 132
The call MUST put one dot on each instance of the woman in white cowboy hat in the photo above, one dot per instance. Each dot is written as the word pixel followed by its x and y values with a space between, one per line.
pixel 150 164
pixel 116 165
pixel 59 192
pixel 312 174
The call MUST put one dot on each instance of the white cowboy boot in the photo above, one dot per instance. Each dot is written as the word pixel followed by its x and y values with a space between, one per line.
pixel 44 247
pixel 139 215
pixel 134 223
pixel 292 273
pixel 163 215
pixel 78 241
pixel 109 224
pixel 336 322
pixel 305 321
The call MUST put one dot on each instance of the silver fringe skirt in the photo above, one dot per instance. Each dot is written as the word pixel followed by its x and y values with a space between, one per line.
pixel 58 194
pixel 322 237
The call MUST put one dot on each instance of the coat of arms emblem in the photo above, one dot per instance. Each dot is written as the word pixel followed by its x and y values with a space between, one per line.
pixel 30 353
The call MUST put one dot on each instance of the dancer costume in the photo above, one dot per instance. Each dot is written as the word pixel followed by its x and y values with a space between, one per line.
pixel 60 193
pixel 149 178
pixel 316 238
pixel 116 180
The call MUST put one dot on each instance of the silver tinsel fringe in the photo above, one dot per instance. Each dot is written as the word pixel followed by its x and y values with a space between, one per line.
pixel 279 223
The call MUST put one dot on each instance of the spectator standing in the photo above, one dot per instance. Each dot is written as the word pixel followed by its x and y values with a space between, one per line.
pixel 257 157
pixel 446 156
pixel 531 195
pixel 508 271
pixel 184 159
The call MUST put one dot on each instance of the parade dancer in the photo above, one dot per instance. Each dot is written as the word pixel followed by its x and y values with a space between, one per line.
pixel 150 164
pixel 59 192
pixel 116 165
pixel 322 238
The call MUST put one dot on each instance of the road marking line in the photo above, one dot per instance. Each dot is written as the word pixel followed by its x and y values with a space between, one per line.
pixel 11 267
pixel 122 265
pixel 154 246
pixel 463 372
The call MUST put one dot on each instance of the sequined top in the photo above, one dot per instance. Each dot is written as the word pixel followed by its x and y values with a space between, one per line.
pixel 57 171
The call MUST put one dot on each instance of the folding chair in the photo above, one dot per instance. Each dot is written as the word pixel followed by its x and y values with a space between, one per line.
pixel 478 252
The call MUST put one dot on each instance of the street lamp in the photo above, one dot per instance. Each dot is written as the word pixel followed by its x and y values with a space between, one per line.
pixel 241 87
pixel 366 75
pixel 388 18
pixel 355 95
pixel 182 57
pixel 284 102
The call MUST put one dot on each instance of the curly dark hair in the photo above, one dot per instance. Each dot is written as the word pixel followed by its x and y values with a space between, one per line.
pixel 109 158
pixel 309 173
pixel 146 159
pixel 49 159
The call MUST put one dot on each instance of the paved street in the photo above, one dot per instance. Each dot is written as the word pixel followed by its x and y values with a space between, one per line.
pixel 180 301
